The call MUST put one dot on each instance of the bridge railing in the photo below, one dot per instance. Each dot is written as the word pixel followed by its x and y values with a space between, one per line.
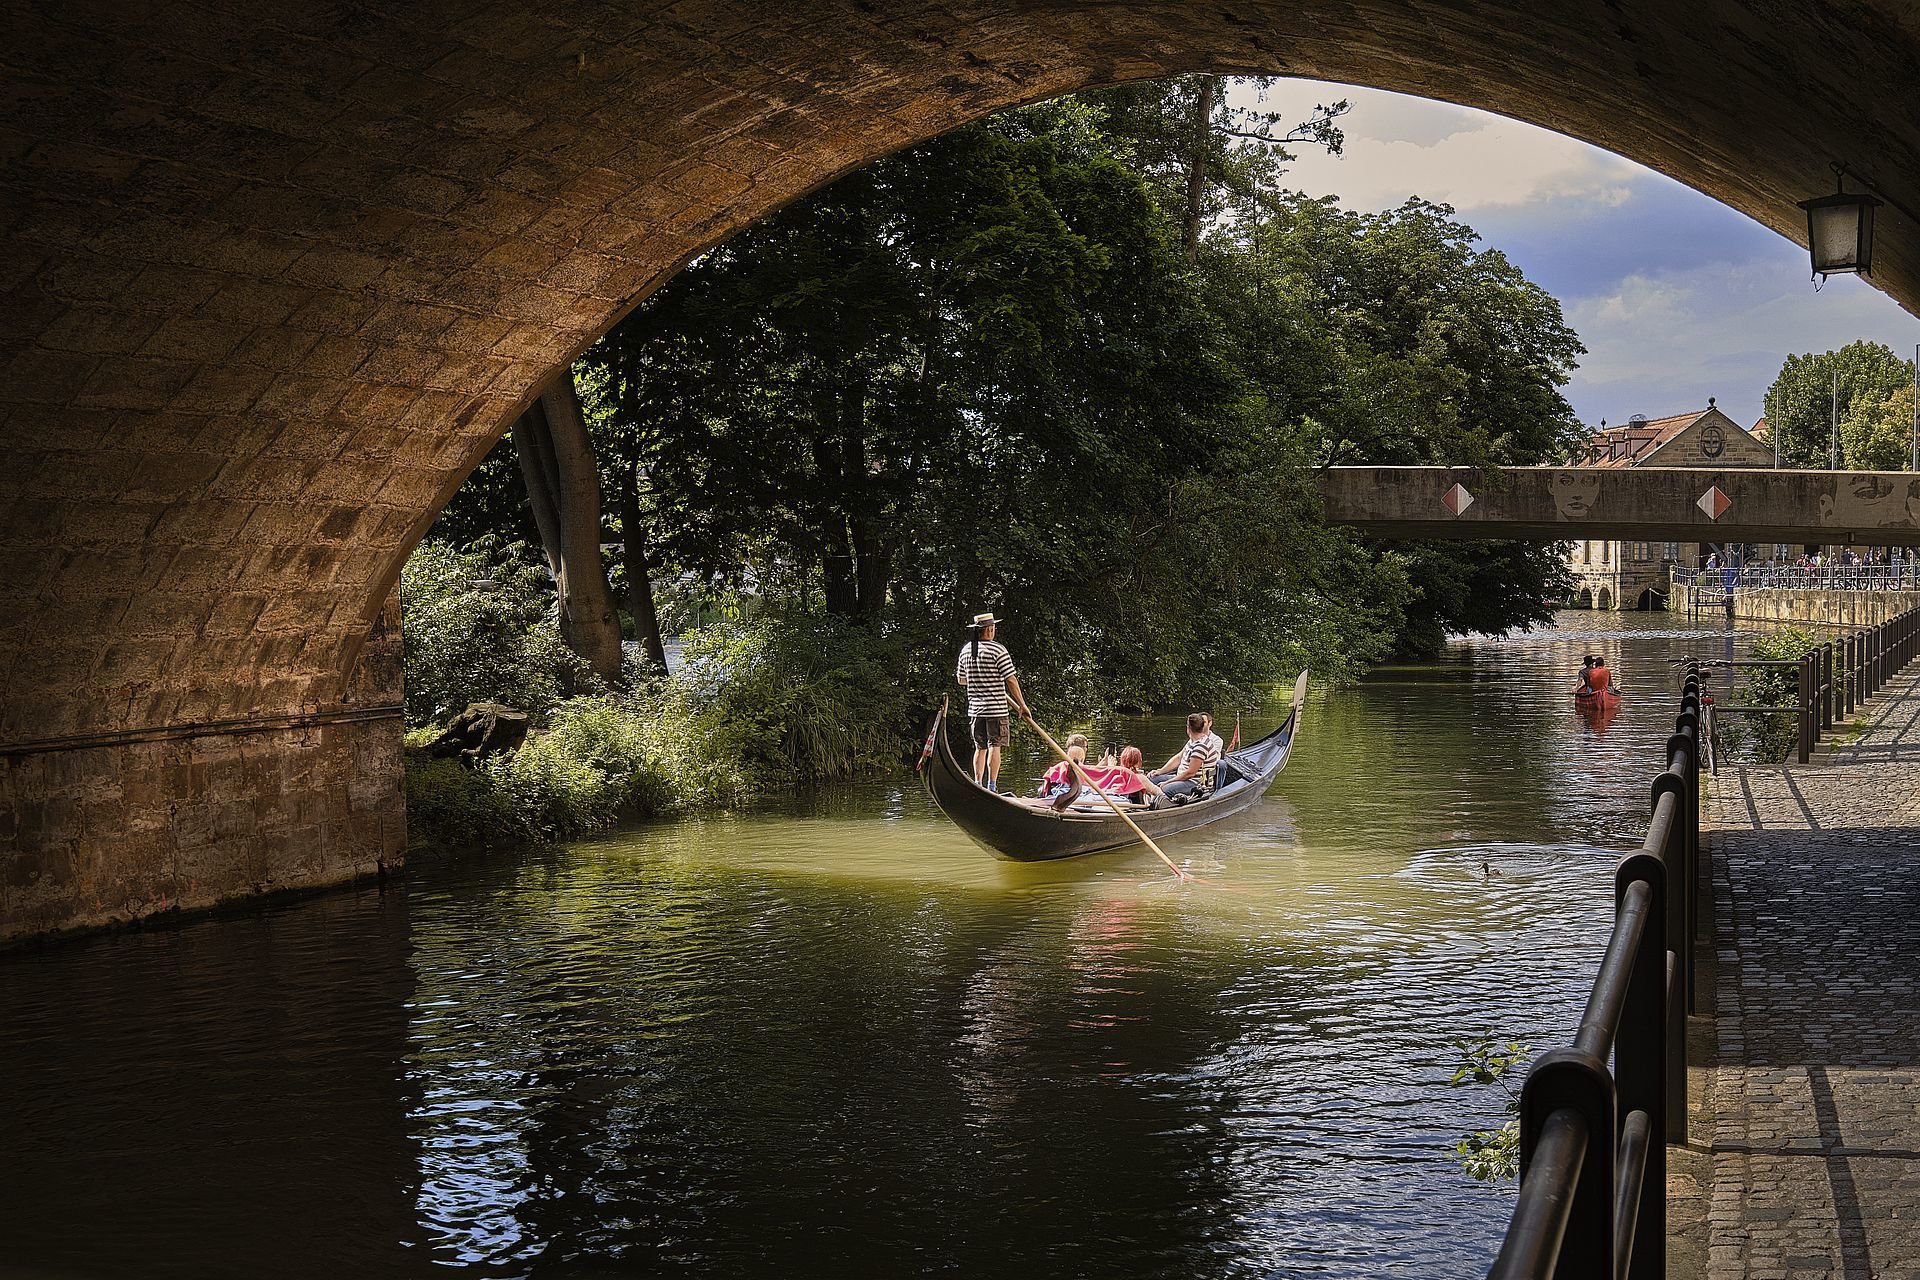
pixel 1904 576
pixel 1593 1141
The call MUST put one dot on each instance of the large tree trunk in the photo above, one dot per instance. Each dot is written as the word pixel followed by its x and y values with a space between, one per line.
pixel 556 459
pixel 1197 166
pixel 646 622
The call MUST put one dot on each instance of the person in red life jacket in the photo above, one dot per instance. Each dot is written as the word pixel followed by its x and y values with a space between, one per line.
pixel 1596 682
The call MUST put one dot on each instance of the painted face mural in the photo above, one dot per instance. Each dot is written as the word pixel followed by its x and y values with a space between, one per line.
pixel 1575 492
pixel 1868 501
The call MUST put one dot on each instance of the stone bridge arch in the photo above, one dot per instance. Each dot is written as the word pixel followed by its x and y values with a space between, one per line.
pixel 278 274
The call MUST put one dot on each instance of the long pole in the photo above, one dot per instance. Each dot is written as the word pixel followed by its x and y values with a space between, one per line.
pixel 1833 440
pixel 1913 463
pixel 1087 782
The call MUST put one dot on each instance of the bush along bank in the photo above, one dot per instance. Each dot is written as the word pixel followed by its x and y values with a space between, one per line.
pixel 757 706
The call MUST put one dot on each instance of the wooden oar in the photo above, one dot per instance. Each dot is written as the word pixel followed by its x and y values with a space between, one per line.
pixel 1087 782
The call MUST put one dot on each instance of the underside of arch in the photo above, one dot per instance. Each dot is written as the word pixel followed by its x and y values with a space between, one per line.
pixel 278 275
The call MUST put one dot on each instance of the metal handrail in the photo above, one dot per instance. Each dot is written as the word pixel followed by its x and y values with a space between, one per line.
pixel 1593 1141
pixel 1836 677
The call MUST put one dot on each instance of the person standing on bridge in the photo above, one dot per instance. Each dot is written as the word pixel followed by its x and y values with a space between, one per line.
pixel 985 671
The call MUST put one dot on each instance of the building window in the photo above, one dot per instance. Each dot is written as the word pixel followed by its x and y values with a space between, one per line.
pixel 1606 549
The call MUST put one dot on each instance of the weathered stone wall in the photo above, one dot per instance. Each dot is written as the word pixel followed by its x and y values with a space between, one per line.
pixel 1832 608
pixel 105 832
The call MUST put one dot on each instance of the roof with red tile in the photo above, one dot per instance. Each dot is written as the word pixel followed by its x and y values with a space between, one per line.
pixel 1630 444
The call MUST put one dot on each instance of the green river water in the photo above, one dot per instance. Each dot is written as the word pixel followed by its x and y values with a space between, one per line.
pixel 837 1039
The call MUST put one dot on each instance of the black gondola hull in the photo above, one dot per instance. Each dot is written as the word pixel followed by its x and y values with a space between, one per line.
pixel 1021 832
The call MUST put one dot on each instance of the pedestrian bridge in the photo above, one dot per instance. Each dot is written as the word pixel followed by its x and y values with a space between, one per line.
pixel 1653 504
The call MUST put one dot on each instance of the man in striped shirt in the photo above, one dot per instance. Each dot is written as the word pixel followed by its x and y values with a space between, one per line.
pixel 1189 771
pixel 985 671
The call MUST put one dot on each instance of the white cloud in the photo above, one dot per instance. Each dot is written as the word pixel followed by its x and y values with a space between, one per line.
pixel 1661 343
pixel 1399 147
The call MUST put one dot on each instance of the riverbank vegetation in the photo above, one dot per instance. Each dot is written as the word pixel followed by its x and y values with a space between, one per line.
pixel 1770 738
pixel 1077 363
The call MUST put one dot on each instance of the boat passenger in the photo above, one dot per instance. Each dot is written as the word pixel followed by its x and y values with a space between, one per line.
pixel 1189 772
pixel 1060 778
pixel 1599 679
pixel 1133 784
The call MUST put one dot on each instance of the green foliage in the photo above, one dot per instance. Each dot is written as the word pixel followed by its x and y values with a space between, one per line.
pixel 766 704
pixel 1799 407
pixel 596 765
pixel 1877 434
pixel 759 706
pixel 1490 1155
pixel 450 806
pixel 479 626
pixel 1769 738
pixel 983 373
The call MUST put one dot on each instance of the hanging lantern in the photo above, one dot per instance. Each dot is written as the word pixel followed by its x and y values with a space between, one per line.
pixel 1840 233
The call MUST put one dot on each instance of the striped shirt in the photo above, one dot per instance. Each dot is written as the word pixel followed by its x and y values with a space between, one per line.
pixel 1207 748
pixel 984 669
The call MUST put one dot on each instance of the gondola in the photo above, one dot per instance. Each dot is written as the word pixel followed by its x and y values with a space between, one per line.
pixel 1005 826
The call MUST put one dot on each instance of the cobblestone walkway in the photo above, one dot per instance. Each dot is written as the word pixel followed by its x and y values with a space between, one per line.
pixel 1816 1089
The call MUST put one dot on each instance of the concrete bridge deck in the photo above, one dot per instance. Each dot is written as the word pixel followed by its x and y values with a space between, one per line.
pixel 1815 1060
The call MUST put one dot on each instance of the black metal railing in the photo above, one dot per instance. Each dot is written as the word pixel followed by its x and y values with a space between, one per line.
pixel 1593 1160
pixel 1836 676
pixel 1593 1141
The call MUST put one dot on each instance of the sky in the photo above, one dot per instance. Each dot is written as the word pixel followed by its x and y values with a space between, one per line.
pixel 1676 296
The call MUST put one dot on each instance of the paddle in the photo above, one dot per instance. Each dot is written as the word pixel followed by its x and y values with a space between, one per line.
pixel 1087 782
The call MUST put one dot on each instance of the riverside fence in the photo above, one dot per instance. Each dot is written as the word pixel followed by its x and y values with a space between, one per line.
pixel 1834 677
pixel 1593 1137
pixel 1593 1140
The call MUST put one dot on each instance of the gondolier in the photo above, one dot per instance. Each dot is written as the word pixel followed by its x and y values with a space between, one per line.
pixel 985 671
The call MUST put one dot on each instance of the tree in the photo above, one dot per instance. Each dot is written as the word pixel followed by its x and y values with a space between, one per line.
pixel 556 459
pixel 1205 153
pixel 1799 404
pixel 1877 434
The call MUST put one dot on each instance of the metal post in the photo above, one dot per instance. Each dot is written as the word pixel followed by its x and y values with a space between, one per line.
pixel 1806 707
pixel 1572 1089
pixel 1851 647
pixel 1826 686
pixel 1642 1058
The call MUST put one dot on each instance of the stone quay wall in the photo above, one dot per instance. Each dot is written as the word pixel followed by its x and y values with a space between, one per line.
pixel 113 830
pixel 1821 607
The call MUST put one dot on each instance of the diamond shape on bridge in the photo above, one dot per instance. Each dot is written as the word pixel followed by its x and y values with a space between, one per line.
pixel 1457 499
pixel 1714 503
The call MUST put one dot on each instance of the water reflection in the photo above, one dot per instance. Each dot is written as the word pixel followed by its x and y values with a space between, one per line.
pixel 841 1040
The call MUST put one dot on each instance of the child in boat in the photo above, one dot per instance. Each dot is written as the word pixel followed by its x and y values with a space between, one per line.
pixel 1059 780
pixel 1130 782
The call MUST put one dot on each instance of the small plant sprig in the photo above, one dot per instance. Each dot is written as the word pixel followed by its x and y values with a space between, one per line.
pixel 1490 1155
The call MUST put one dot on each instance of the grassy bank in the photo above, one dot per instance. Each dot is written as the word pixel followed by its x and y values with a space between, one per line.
pixel 758 706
